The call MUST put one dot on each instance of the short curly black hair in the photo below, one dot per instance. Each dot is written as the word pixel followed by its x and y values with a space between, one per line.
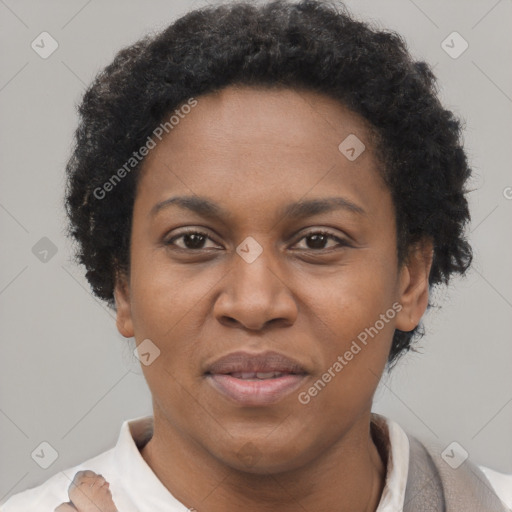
pixel 313 45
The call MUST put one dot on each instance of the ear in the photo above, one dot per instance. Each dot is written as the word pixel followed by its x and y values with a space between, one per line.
pixel 123 305
pixel 413 285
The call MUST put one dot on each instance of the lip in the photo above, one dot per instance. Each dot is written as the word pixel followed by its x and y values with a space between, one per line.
pixel 223 375
pixel 242 361
pixel 252 393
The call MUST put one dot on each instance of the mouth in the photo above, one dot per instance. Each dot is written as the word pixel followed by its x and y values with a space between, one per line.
pixel 256 376
pixel 255 379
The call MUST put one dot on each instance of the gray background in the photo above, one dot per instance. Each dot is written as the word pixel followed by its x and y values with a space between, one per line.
pixel 69 378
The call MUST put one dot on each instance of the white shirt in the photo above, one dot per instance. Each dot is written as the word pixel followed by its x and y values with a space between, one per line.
pixel 135 488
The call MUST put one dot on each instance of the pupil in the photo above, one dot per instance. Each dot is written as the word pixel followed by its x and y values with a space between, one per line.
pixel 318 241
pixel 197 240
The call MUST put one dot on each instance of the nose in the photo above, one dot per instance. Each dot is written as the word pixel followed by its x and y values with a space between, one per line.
pixel 255 296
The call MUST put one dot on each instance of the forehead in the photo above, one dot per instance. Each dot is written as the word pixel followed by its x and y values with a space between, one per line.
pixel 294 118
pixel 245 141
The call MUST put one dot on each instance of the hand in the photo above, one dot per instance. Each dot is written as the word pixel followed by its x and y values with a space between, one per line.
pixel 88 492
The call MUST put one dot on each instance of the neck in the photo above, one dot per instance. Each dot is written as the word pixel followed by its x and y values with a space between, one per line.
pixel 348 477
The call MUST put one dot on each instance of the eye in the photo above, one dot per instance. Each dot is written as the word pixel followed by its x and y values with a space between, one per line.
pixel 192 240
pixel 316 240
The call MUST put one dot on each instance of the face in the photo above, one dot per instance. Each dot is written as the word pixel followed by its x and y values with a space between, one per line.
pixel 285 255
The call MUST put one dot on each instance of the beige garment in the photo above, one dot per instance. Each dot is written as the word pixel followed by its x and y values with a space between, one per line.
pixel 434 486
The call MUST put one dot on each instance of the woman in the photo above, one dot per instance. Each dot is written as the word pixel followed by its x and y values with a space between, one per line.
pixel 266 195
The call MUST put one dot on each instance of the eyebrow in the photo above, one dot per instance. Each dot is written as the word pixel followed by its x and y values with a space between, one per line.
pixel 299 209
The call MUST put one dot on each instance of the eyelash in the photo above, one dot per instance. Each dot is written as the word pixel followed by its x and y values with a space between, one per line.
pixel 341 242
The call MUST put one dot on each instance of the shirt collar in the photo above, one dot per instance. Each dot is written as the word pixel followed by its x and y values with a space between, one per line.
pixel 149 494
pixel 396 443
pixel 142 486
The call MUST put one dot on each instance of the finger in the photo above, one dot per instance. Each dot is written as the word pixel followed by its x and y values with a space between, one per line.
pixel 86 473
pixel 65 507
pixel 80 478
pixel 96 482
pixel 99 481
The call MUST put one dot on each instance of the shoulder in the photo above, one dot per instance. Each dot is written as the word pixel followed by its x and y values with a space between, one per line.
pixel 455 478
pixel 54 491
pixel 501 483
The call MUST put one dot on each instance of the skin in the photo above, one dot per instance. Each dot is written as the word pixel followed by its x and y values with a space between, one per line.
pixel 88 492
pixel 252 151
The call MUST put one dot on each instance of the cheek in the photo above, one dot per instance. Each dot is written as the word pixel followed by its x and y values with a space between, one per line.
pixel 358 311
pixel 355 295
pixel 169 305
pixel 164 292
pixel 360 316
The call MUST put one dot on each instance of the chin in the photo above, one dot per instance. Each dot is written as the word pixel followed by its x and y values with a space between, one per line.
pixel 259 456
